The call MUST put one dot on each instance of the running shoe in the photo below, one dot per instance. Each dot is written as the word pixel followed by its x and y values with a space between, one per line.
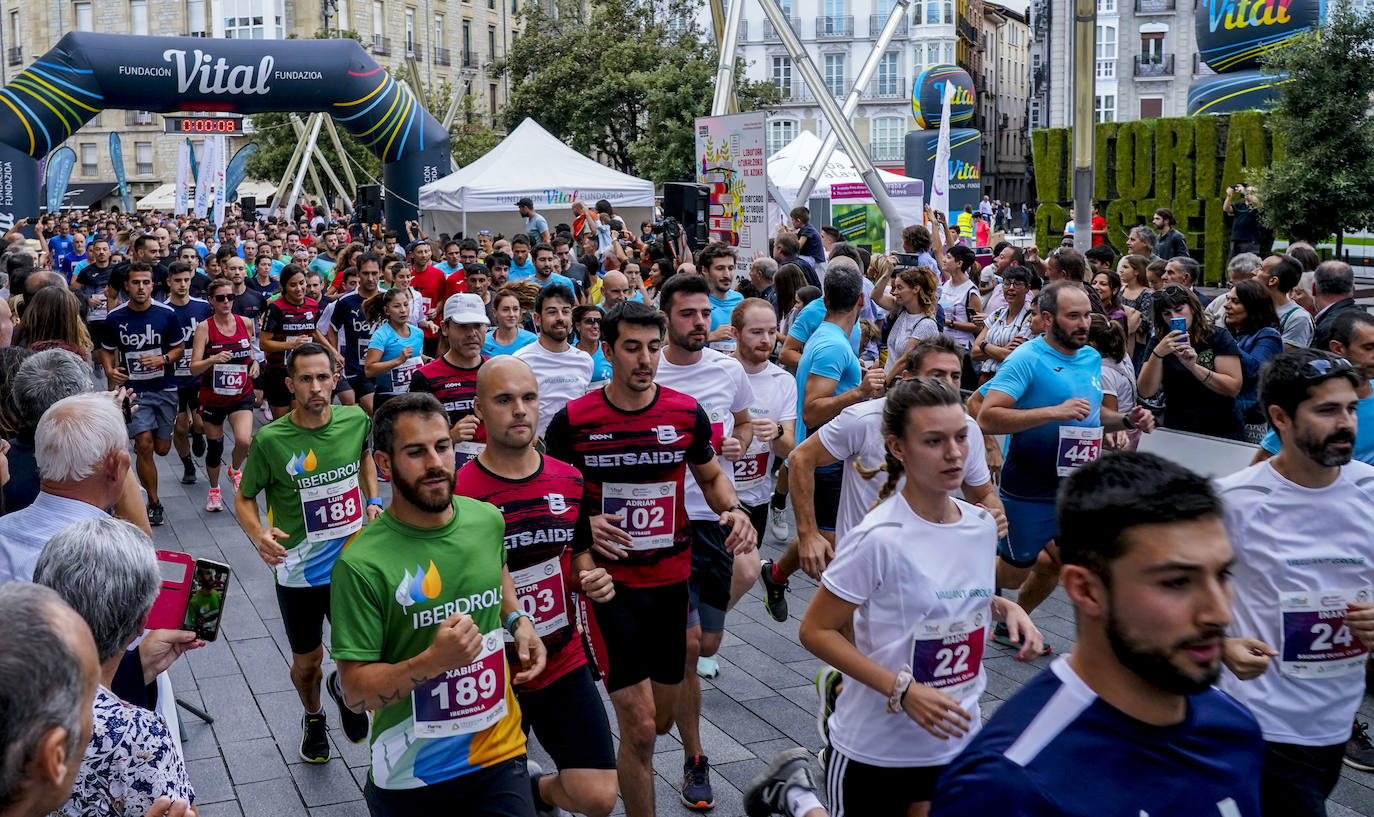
pixel 1359 751
pixel 777 524
pixel 155 514
pixel 1002 636
pixel 708 667
pixel 774 593
pixel 197 444
pixel 828 680
pixel 767 794
pixel 236 474
pixel 213 501
pixel 314 738
pixel 188 474
pixel 536 771
pixel 354 723
pixel 696 784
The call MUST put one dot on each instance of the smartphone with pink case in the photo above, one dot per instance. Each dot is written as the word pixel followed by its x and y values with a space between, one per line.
pixel 169 609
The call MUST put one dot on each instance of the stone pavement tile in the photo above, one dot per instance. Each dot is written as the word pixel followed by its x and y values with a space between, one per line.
pixel 742 724
pixel 211 661
pixel 241 618
pixel 668 775
pixel 1019 671
pixel 323 784
pixel 766 749
pixel 182 678
pixel 282 711
pixel 1065 629
pixel 719 743
pixel 988 706
pixel 359 775
pixel 785 716
pixel 231 703
pixel 266 669
pixel 769 642
pixel 1337 810
pixel 773 673
pixel 354 808
pixel 1000 686
pixel 197 738
pixel 229 808
pixel 737 683
pixel 272 798
pixel 354 754
pixel 1353 795
pixel 253 761
pixel 804 696
pixel 209 779
pixel 741 772
pixel 808 668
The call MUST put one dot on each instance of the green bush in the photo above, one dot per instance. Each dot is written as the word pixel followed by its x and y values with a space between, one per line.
pixel 1183 163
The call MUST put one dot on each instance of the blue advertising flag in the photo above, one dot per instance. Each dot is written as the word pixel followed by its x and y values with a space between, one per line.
pixel 195 170
pixel 117 159
pixel 60 165
pixel 238 170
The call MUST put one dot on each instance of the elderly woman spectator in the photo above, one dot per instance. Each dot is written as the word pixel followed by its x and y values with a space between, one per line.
pixel 131 759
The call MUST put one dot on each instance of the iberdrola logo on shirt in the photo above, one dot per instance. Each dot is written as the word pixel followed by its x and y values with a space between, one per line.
pixel 420 586
pixel 301 463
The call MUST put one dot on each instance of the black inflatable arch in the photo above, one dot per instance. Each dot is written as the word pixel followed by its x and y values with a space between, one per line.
pixel 86 73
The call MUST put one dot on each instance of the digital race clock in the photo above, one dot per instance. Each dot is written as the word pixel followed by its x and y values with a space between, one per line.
pixel 226 125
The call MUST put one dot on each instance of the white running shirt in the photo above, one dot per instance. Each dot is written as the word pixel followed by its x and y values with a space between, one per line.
pixel 562 376
pixel 721 388
pixel 775 398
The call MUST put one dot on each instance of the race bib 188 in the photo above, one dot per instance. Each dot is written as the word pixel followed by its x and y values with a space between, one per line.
pixel 332 511
pixel 464 700
pixel 1317 643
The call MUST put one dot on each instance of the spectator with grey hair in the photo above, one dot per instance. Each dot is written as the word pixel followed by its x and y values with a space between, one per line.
pixel 1141 241
pixel 761 275
pixel 82 451
pixel 41 380
pixel 1242 267
pixel 48 675
pixel 131 758
pixel 1187 273
pixel 1333 292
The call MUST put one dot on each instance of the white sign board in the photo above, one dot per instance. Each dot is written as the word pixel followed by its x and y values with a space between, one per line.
pixel 731 160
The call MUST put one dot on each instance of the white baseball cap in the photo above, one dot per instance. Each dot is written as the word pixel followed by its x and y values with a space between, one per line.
pixel 465 307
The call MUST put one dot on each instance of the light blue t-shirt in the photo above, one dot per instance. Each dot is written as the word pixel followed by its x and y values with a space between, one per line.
pixel 322 265
pixel 1364 433
pixel 520 271
pixel 556 278
pixel 535 226
pixel 810 317
pixel 601 368
pixel 827 354
pixel 721 308
pixel 448 269
pixel 385 338
pixel 523 338
pixel 1035 375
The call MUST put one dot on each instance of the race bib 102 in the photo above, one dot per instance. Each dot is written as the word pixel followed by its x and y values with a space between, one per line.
pixel 649 509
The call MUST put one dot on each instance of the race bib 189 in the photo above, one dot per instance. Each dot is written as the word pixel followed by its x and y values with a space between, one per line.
pixel 229 379
pixel 1078 446
pixel 1317 643
pixel 539 589
pixel 948 653
pixel 332 511
pixel 649 509
pixel 464 700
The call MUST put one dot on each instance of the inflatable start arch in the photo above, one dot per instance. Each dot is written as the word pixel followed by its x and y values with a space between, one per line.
pixel 86 73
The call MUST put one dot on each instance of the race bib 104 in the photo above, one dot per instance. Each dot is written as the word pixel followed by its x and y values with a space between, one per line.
pixel 1317 641
pixel 464 700
pixel 649 509
pixel 1078 446
pixel 229 379
pixel 948 653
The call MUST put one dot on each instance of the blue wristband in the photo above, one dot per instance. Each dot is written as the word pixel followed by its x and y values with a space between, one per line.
pixel 515 617
pixel 376 500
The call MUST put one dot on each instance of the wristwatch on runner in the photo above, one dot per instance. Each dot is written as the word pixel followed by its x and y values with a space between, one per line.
pixel 514 618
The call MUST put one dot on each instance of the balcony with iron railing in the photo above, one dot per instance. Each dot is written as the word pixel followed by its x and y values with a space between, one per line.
pixel 381 45
pixel 14 56
pixel 442 56
pixel 886 88
pixel 770 35
pixel 469 58
pixel 891 152
pixel 1155 6
pixel 876 22
pixel 837 27
pixel 138 117
pixel 1161 66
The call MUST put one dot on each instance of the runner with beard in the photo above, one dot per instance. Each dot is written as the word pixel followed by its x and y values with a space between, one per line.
pixel 1048 396
pixel 1147 566
pixel 424 592
pixel 1304 590
pixel 540 497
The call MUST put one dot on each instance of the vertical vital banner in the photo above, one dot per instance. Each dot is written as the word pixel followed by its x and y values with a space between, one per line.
pixel 181 194
pixel 732 161
pixel 87 72
pixel 117 158
pixel 59 172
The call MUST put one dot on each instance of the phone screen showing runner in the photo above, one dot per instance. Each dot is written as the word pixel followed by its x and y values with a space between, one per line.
pixel 206 604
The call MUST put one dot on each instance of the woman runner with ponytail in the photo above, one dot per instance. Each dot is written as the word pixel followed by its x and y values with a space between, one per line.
pixel 916 578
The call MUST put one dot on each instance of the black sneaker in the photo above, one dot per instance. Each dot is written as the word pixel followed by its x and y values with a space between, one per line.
pixel 828 681
pixel 1001 635
pixel 767 794
pixel 696 784
pixel 197 444
pixel 1359 751
pixel 155 515
pixel 354 723
pixel 188 476
pixel 774 593
pixel 314 738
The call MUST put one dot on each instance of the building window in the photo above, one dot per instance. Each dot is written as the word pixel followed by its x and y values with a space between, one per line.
pixel 889 84
pixel 83 17
pixel 491 42
pixel 1104 108
pixel 16 40
pixel 834 74
pixel 89 166
pixel 834 8
pixel 1151 108
pixel 1106 52
pixel 438 31
pixel 344 23
pixel 1152 48
pixel 1106 6
pixel 780 132
pixel 410 31
pixel 949 52
pixel 468 57
pixel 949 12
pixel 196 23
pixel 378 19
pixel 252 19
pixel 491 99
pixel 782 76
pixel 143 158
pixel 888 139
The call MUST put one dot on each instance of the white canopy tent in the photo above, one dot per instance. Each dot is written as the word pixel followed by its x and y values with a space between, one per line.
pixel 163 197
pixel 529 162
pixel 788 166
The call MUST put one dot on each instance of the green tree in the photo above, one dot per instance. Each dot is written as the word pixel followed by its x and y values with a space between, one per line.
pixel 1320 183
pixel 623 80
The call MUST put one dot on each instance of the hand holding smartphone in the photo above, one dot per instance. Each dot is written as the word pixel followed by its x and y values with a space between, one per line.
pixel 192 595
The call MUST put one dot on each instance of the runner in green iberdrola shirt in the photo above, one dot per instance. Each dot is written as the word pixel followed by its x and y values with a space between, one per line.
pixel 321 488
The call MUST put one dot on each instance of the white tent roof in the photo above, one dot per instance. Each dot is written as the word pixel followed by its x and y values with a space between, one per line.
pixel 533 162
pixel 788 166
pixel 163 197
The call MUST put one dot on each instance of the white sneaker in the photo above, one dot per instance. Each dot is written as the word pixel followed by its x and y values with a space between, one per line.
pixel 213 501
pixel 778 525
pixel 708 667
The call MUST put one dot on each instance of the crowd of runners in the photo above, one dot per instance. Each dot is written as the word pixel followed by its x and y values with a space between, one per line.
pixel 586 437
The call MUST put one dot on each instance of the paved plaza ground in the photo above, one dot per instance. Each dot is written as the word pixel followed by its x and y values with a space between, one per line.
pixel 764 701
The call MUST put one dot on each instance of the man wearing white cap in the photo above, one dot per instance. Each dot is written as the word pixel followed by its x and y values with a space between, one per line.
pixel 452 378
